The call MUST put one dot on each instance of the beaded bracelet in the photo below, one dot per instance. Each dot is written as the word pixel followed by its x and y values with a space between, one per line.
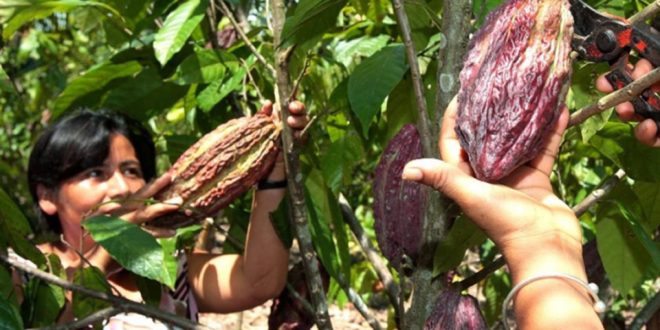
pixel 592 288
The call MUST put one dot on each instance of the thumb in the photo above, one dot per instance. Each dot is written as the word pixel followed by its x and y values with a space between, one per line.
pixel 468 192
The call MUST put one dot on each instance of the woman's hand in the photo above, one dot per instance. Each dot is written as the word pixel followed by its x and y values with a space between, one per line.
pixel 646 131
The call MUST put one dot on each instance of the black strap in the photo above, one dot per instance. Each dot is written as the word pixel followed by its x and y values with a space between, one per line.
pixel 265 184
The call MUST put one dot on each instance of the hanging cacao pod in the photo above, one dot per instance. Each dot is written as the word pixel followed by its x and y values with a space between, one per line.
pixel 398 204
pixel 220 167
pixel 454 311
pixel 513 84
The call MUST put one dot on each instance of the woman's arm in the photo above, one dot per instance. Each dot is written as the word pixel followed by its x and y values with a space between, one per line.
pixel 536 232
pixel 227 283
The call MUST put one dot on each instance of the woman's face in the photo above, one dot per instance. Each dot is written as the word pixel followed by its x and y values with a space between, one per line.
pixel 119 176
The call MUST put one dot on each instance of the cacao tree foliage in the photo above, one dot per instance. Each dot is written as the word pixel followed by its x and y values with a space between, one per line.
pixel 181 68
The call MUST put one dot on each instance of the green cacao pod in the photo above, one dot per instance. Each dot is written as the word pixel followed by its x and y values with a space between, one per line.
pixel 454 311
pixel 513 84
pixel 398 204
pixel 220 167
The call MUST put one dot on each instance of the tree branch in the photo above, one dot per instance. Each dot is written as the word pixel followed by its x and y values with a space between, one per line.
pixel 357 302
pixel 625 94
pixel 646 13
pixel 384 274
pixel 295 182
pixel 95 317
pixel 225 11
pixel 122 303
pixel 652 307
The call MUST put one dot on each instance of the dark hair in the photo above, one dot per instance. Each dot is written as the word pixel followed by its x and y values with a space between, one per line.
pixel 81 141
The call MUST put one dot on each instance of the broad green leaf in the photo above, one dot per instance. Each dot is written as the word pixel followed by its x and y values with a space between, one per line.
pixel 144 96
pixel 91 278
pixel 340 158
pixel 204 66
pixel 15 13
pixel 319 223
pixel 496 288
pixel 177 144
pixel 10 318
pixel 131 247
pixel 310 19
pixel 583 92
pixel 15 230
pixel 401 105
pixel 451 250
pixel 93 80
pixel 177 28
pixel 617 142
pixel 649 198
pixel 281 221
pixel 373 80
pixel 150 290
pixel 170 264
pixel 347 52
pixel 624 257
pixel 481 9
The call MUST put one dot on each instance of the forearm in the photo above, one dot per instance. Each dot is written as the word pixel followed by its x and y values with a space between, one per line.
pixel 555 303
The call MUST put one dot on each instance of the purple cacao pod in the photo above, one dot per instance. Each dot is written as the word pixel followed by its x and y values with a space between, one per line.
pixel 398 204
pixel 454 311
pixel 513 84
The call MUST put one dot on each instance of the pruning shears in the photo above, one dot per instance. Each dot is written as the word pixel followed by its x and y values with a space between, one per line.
pixel 602 37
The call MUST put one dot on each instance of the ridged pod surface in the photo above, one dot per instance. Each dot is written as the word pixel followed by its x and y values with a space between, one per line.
pixel 398 204
pixel 454 311
pixel 513 84
pixel 220 167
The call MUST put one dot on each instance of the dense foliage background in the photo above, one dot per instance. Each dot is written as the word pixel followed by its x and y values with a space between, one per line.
pixel 181 68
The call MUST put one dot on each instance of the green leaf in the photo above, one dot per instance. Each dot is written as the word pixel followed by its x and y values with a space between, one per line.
pixel 310 19
pixel 150 290
pixel 625 258
pixel 15 13
pixel 204 66
pixel 451 250
pixel 93 80
pixel 15 229
pixel 132 247
pixel 319 219
pixel 42 303
pixel 347 52
pixel 281 221
pixel 496 288
pixel 91 278
pixel 5 83
pixel 649 198
pixel 177 28
pixel 219 89
pixel 177 144
pixel 10 318
pixel 373 80
pixel 340 158
pixel 617 142
pixel 7 286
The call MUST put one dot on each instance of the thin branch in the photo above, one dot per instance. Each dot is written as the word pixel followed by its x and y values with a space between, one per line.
pixel 646 13
pixel 297 203
pixel 225 11
pixel 424 123
pixel 482 274
pixel 384 274
pixel 251 78
pixel 625 94
pixel 296 83
pixel 646 313
pixel 305 304
pixel 595 196
pixel 125 304
pixel 213 24
pixel 358 302
pixel 84 323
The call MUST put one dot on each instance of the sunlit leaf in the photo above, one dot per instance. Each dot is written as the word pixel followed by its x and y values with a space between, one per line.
pixel 131 247
pixel 451 250
pixel 177 28
pixel 204 66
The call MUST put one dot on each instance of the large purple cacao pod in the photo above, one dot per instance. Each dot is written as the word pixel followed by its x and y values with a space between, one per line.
pixel 513 84
pixel 220 167
pixel 398 204
pixel 454 311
